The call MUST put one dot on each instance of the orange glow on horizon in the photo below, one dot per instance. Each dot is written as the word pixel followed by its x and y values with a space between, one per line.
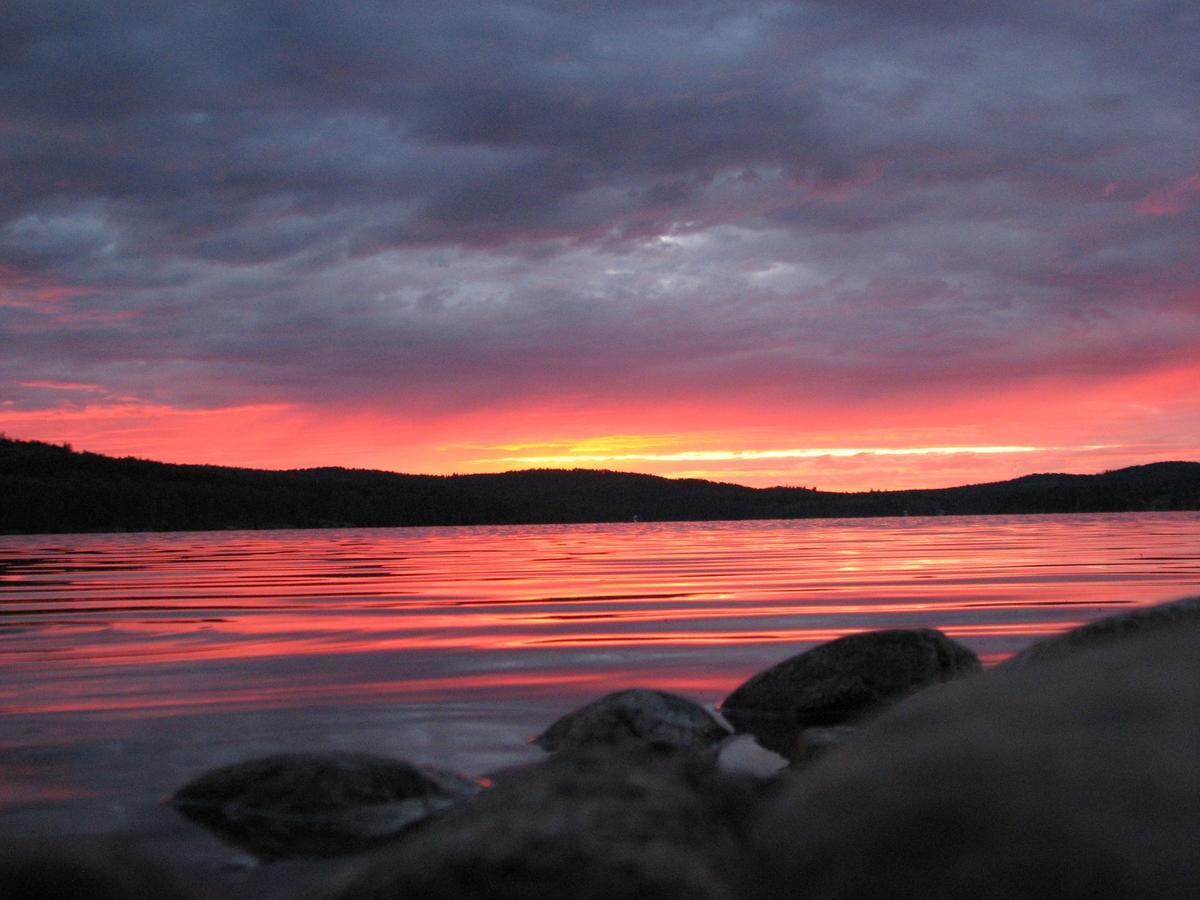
pixel 1047 426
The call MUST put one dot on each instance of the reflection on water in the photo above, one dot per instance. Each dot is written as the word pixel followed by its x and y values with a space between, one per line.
pixel 151 654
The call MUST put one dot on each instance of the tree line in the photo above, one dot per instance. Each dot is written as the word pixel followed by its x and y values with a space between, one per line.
pixel 46 488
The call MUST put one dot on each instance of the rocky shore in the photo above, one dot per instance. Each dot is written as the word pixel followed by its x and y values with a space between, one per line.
pixel 885 763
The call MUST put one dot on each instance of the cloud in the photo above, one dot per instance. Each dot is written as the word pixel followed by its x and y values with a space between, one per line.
pixel 1172 199
pixel 436 208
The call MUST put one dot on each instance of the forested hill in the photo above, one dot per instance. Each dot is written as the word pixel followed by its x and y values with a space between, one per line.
pixel 47 488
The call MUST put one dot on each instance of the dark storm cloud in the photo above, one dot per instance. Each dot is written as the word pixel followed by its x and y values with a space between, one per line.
pixel 313 200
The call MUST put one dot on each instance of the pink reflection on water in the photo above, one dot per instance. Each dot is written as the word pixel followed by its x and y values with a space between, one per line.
pixel 155 625
pixel 24 783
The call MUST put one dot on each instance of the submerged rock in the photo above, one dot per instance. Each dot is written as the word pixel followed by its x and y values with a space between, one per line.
pixel 1110 628
pixel 611 822
pixel 638 716
pixel 1074 778
pixel 841 681
pixel 317 804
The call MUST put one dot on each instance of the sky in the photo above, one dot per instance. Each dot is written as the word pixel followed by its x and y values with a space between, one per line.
pixel 850 245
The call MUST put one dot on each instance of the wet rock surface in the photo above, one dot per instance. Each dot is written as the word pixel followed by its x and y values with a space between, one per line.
pixel 638 715
pixel 812 743
pixel 88 868
pixel 628 822
pixel 1073 778
pixel 842 681
pixel 324 804
pixel 1109 628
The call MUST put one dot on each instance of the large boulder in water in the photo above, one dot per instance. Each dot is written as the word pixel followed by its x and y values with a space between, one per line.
pixel 1078 777
pixel 840 682
pixel 317 804
pixel 635 716
pixel 1110 628
pixel 636 821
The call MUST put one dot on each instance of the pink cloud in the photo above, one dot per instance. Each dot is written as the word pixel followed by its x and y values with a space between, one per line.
pixel 1172 199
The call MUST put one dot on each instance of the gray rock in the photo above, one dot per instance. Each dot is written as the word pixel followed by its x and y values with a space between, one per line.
pixel 627 822
pixel 842 681
pixel 1077 777
pixel 741 754
pixel 637 715
pixel 1110 628
pixel 318 804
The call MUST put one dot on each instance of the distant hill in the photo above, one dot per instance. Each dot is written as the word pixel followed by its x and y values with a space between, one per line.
pixel 46 488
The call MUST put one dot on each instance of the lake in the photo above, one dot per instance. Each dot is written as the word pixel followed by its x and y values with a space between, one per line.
pixel 132 662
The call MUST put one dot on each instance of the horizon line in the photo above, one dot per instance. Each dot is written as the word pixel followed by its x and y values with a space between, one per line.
pixel 68 445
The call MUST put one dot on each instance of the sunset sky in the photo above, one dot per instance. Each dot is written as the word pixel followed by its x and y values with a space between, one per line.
pixel 854 244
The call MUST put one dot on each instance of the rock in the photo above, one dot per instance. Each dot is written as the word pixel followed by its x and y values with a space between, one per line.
pixel 602 822
pixel 317 804
pixel 1077 777
pixel 69 869
pixel 637 715
pixel 741 754
pixel 814 742
pixel 1110 628
pixel 842 681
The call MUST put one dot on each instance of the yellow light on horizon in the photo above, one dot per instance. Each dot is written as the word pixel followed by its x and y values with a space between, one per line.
pixel 793 453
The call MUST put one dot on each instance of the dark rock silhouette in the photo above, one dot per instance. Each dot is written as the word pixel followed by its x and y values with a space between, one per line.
pixel 841 682
pixel 632 822
pixel 324 804
pixel 1078 777
pixel 71 869
pixel 636 715
pixel 1110 628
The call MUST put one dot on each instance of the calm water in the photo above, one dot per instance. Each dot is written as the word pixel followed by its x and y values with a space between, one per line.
pixel 132 662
